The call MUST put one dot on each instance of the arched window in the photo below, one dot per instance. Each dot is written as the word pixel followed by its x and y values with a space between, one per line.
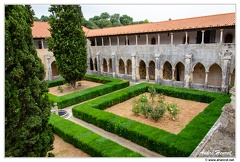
pixel 121 67
pixel 151 70
pixel 54 69
pixel 142 69
pixel 110 65
pixel 153 41
pixel 91 64
pixel 179 72
pixel 167 71
pixel 228 38
pixel 104 65
pixel 215 75
pixel 199 74
pixel 129 67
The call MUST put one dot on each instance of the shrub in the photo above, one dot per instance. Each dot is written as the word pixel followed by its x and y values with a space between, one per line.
pixel 161 98
pixel 158 112
pixel 152 92
pixel 173 110
pixel 135 107
pixel 60 89
pixel 145 109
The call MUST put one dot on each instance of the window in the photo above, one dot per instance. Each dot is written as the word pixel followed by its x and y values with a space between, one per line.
pixel 228 38
pixel 39 45
pixel 153 41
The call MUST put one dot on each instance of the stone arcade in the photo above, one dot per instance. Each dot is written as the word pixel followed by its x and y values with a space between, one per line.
pixel 194 52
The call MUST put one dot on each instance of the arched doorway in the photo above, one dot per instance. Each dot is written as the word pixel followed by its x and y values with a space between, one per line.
pixel 151 70
pixel 153 41
pixel 228 38
pixel 129 67
pixel 167 71
pixel 110 65
pixel 91 64
pixel 179 72
pixel 215 75
pixel 54 69
pixel 121 67
pixel 95 64
pixel 142 69
pixel 199 74
pixel 104 65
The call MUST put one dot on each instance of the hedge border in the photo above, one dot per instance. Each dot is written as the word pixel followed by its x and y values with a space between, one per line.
pixel 88 141
pixel 109 85
pixel 160 141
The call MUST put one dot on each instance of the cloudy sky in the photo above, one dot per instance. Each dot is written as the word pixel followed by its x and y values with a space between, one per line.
pixel 152 12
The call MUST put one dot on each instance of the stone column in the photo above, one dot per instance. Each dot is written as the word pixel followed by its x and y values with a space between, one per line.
pixel 133 55
pixel 95 39
pixel 147 74
pixel 108 68
pixel 173 73
pixel 136 39
pixel 125 69
pixel 206 78
pixel 146 39
pixel 226 71
pixel 102 41
pixel 42 43
pixel 99 63
pixel 157 68
pixel 118 40
pixel 49 67
pixel 187 76
pixel 126 40
pixel 203 36
pixel 110 41
pixel 159 38
pixel 221 36
pixel 113 65
pixel 171 38
pixel 186 37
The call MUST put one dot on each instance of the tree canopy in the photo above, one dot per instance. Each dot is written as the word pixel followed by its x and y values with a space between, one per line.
pixel 27 106
pixel 68 42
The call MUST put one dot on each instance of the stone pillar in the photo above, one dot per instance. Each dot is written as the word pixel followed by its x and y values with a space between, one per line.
pixel 113 65
pixel 226 71
pixel 108 68
pixel 173 73
pixel 42 43
pixel 187 76
pixel 159 38
pixel 136 39
pixel 95 39
pixel 203 36
pixel 146 39
pixel 147 74
pixel 102 41
pixel 133 55
pixel 110 41
pixel 118 40
pixel 206 78
pixel 221 36
pixel 99 63
pixel 171 38
pixel 157 67
pixel 49 67
pixel 125 69
pixel 186 35
pixel 126 40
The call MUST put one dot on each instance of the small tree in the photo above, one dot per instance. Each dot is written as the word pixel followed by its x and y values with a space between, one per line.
pixel 152 92
pixel 27 106
pixel 68 42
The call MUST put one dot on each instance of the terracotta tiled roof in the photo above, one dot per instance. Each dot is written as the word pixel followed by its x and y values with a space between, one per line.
pixel 219 20
pixel 40 29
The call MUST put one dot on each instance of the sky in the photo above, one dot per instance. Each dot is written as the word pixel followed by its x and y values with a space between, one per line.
pixel 151 12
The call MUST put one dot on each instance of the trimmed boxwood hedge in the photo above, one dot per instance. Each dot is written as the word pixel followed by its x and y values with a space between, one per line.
pixel 109 85
pixel 88 141
pixel 160 141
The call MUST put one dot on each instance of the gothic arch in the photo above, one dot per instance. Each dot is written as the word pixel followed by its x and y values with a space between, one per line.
pixel 129 67
pixel 110 65
pixel 104 65
pixel 198 74
pixel 95 64
pixel 228 38
pixel 179 72
pixel 121 66
pixel 142 69
pixel 167 71
pixel 91 64
pixel 215 75
pixel 151 70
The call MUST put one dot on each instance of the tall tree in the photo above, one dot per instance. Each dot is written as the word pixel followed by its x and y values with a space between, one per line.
pixel 68 42
pixel 126 20
pixel 44 18
pixel 27 107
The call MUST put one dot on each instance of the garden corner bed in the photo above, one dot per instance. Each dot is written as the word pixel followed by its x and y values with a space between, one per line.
pixel 155 139
pixel 108 85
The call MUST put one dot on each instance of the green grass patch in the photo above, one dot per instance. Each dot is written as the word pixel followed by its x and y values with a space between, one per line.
pixel 88 141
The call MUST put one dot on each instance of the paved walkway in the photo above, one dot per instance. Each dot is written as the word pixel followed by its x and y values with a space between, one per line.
pixel 124 142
